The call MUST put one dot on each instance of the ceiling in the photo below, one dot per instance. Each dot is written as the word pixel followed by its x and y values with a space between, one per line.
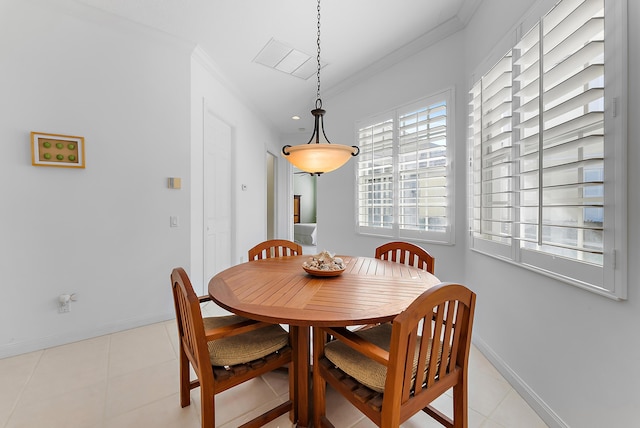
pixel 358 38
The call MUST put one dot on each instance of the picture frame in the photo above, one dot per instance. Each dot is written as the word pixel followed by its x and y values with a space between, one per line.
pixel 65 151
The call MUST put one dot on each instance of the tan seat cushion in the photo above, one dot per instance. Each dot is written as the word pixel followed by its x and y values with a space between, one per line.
pixel 245 347
pixel 362 368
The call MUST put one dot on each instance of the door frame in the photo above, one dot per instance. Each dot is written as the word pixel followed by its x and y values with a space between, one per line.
pixel 271 192
pixel 208 111
pixel 197 223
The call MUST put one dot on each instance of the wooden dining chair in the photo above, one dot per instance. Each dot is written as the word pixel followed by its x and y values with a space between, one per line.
pixel 224 352
pixel 376 369
pixel 275 248
pixel 407 253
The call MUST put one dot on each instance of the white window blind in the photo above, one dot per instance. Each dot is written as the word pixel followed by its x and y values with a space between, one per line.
pixel 403 173
pixel 492 148
pixel 538 166
pixel 375 175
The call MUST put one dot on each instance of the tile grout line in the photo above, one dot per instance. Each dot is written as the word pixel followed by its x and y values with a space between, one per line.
pixel 143 405
pixel 15 404
pixel 107 386
pixel 176 352
pixel 257 410
pixel 490 416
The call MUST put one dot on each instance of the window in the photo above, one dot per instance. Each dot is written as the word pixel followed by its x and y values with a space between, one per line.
pixel 545 159
pixel 403 172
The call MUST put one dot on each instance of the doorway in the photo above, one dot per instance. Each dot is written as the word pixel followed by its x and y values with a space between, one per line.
pixel 305 222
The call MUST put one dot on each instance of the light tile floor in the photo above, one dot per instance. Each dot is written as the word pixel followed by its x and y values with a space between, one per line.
pixel 130 379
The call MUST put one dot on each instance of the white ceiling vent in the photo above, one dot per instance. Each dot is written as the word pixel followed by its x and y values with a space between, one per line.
pixel 288 60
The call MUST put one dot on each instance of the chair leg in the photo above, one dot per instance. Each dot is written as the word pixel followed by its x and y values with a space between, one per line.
pixel 319 384
pixel 319 406
pixel 460 404
pixel 293 414
pixel 207 403
pixel 185 388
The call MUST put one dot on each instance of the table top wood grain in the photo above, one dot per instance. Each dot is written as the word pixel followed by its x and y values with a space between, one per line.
pixel 278 290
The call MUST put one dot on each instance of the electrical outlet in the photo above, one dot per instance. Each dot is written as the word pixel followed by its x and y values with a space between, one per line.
pixel 63 302
pixel 63 307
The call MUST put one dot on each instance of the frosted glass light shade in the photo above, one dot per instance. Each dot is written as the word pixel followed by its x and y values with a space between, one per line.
pixel 318 158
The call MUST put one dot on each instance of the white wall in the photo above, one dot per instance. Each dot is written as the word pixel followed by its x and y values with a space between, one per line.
pixel 251 139
pixel 101 232
pixel 427 73
pixel 572 354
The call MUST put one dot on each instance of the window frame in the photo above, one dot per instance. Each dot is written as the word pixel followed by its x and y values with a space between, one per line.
pixel 395 232
pixel 612 282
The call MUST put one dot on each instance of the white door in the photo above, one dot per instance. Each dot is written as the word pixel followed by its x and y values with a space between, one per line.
pixel 217 195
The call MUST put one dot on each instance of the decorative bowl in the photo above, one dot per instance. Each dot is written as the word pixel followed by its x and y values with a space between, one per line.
pixel 316 272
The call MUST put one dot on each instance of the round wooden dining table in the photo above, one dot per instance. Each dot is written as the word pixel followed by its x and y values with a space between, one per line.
pixel 277 290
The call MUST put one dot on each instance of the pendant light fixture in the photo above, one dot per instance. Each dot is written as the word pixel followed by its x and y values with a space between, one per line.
pixel 319 155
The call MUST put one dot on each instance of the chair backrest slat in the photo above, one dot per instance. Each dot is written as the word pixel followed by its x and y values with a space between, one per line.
pixel 448 352
pixel 425 349
pixel 409 364
pixel 436 345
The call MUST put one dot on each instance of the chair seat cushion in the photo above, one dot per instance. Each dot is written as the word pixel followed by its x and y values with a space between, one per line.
pixel 360 367
pixel 244 347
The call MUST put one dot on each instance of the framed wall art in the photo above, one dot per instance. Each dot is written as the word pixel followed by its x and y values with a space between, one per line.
pixel 57 150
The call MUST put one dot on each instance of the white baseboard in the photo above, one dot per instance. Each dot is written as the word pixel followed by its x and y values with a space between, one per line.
pixel 17 348
pixel 545 412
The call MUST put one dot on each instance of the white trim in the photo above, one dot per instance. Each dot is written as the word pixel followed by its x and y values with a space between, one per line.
pixel 619 86
pixel 18 348
pixel 553 275
pixel 529 395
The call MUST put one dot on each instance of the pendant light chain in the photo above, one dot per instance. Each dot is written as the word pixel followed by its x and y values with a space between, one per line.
pixel 318 100
pixel 321 156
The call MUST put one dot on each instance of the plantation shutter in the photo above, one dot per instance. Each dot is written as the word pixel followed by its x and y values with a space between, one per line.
pixel 422 168
pixel 375 175
pixel 547 173
pixel 492 157
pixel 561 182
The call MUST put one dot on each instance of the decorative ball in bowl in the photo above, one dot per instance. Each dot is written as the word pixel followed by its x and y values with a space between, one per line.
pixel 324 264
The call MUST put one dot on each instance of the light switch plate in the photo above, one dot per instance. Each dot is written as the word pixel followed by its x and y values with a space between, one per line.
pixel 175 183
